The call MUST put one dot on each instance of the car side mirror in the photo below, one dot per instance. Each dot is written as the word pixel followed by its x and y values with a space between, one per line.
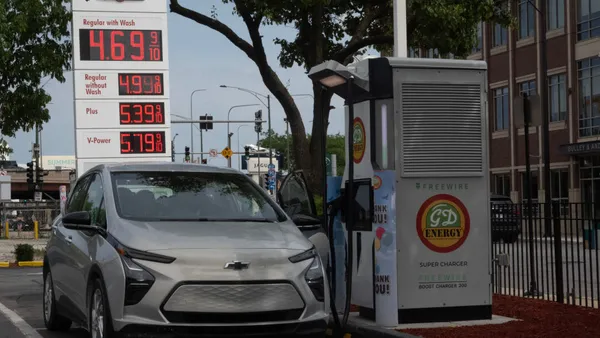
pixel 79 220
pixel 302 220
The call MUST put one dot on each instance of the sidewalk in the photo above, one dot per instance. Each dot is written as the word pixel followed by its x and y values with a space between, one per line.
pixel 7 247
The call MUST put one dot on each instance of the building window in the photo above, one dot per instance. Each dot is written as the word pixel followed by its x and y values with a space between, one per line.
pixel 500 37
pixel 479 45
pixel 557 97
pixel 501 108
pixel 556 14
pixel 588 19
pixel 413 53
pixel 526 19
pixel 589 96
pixel 534 186
pixel 527 87
pixel 559 187
pixel 501 184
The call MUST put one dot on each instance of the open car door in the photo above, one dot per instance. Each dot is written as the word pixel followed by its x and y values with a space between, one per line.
pixel 294 196
pixel 296 199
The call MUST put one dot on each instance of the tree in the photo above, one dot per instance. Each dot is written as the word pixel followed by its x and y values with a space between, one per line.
pixel 284 143
pixel 338 30
pixel 34 46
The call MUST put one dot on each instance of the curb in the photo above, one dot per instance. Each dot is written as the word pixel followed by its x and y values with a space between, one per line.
pixel 33 264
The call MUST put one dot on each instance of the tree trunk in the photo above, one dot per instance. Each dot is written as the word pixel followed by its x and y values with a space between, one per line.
pixel 320 125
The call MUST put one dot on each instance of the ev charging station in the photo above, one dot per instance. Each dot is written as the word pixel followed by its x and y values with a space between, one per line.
pixel 419 233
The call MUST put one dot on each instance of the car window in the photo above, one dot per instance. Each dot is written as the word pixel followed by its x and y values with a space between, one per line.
pixel 191 196
pixel 94 201
pixel 78 195
pixel 294 197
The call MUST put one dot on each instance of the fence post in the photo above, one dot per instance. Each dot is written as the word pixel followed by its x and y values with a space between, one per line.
pixel 36 230
pixel 558 258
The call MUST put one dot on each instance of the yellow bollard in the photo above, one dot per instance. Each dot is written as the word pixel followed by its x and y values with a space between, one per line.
pixel 36 232
pixel 6 230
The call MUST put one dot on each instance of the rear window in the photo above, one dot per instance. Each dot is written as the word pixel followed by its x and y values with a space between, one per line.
pixel 191 196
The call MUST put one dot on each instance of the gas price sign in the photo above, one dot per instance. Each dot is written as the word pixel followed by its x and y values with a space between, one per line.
pixel 143 142
pixel 121 75
pixel 141 84
pixel 120 45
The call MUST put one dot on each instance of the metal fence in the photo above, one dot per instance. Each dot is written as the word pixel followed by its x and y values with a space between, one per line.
pixel 554 258
pixel 19 219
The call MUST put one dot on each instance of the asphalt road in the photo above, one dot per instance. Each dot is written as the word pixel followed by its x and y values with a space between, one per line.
pixel 21 292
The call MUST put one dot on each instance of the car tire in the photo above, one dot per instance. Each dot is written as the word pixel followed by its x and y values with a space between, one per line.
pixel 53 320
pixel 100 320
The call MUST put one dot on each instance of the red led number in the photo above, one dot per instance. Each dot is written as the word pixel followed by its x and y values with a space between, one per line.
pixel 141 113
pixel 117 49
pixel 125 143
pixel 97 43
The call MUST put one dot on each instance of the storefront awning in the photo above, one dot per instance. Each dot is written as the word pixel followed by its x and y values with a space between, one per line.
pixel 584 148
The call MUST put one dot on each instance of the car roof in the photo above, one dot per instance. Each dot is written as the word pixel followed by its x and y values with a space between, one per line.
pixel 163 166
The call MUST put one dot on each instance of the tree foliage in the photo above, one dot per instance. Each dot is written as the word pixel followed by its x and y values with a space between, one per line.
pixel 338 30
pixel 34 46
pixel 282 143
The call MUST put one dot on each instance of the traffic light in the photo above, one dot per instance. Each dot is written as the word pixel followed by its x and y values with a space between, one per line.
pixel 247 151
pixel 204 161
pixel 187 154
pixel 30 173
pixel 39 176
pixel 258 119
pixel 266 181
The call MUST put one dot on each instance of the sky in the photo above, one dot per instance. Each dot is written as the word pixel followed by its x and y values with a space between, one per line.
pixel 200 58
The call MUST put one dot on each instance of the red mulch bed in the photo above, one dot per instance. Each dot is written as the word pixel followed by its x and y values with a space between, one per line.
pixel 538 318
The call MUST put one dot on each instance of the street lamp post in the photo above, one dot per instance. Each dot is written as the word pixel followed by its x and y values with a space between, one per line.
pixel 228 132
pixel 192 125
pixel 268 105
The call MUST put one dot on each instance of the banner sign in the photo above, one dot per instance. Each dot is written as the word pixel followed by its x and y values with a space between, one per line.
pixel 384 224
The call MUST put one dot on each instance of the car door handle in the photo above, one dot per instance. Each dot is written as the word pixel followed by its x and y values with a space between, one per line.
pixel 69 239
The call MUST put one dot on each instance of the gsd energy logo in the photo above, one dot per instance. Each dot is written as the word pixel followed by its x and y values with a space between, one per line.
pixel 376 182
pixel 443 223
pixel 359 140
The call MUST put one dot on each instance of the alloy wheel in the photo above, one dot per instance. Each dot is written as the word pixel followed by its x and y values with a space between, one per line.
pixel 97 315
pixel 48 296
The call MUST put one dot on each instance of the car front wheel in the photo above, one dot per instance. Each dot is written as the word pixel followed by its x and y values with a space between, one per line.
pixel 100 322
pixel 52 319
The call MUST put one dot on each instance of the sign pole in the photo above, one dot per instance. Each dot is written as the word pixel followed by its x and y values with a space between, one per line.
pixel 400 34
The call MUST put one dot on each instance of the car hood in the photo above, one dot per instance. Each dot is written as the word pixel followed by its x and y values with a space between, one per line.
pixel 150 236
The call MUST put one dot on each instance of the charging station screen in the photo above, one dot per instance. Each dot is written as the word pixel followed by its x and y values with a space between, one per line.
pixel 362 205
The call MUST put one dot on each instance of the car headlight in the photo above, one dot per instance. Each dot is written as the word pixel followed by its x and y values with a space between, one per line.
pixel 314 274
pixel 138 281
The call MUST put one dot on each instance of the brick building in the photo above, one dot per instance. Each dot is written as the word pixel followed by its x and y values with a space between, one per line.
pixel 513 57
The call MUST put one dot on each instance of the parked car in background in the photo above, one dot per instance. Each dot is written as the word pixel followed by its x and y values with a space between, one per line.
pixel 506 219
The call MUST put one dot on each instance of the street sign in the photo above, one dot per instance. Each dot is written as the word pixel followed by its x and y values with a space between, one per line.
pixel 2 173
pixel 37 196
pixel 213 153
pixel 121 82
pixel 226 152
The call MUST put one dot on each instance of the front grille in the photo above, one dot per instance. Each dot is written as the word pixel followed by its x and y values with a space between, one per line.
pixel 233 303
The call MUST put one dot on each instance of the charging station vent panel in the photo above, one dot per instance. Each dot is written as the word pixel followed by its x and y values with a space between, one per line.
pixel 441 129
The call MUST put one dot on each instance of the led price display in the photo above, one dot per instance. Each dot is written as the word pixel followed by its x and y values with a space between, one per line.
pixel 120 45
pixel 141 84
pixel 142 142
pixel 141 113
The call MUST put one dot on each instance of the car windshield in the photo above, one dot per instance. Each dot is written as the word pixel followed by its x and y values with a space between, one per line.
pixel 191 196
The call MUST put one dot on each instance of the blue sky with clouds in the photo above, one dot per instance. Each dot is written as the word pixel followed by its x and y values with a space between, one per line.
pixel 199 58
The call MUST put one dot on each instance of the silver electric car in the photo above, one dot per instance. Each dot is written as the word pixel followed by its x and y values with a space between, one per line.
pixel 180 249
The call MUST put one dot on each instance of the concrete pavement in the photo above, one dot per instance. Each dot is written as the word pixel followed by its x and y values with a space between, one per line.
pixel 7 247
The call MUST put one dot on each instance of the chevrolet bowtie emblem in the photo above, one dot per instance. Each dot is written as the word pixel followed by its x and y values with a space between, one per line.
pixel 237 265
